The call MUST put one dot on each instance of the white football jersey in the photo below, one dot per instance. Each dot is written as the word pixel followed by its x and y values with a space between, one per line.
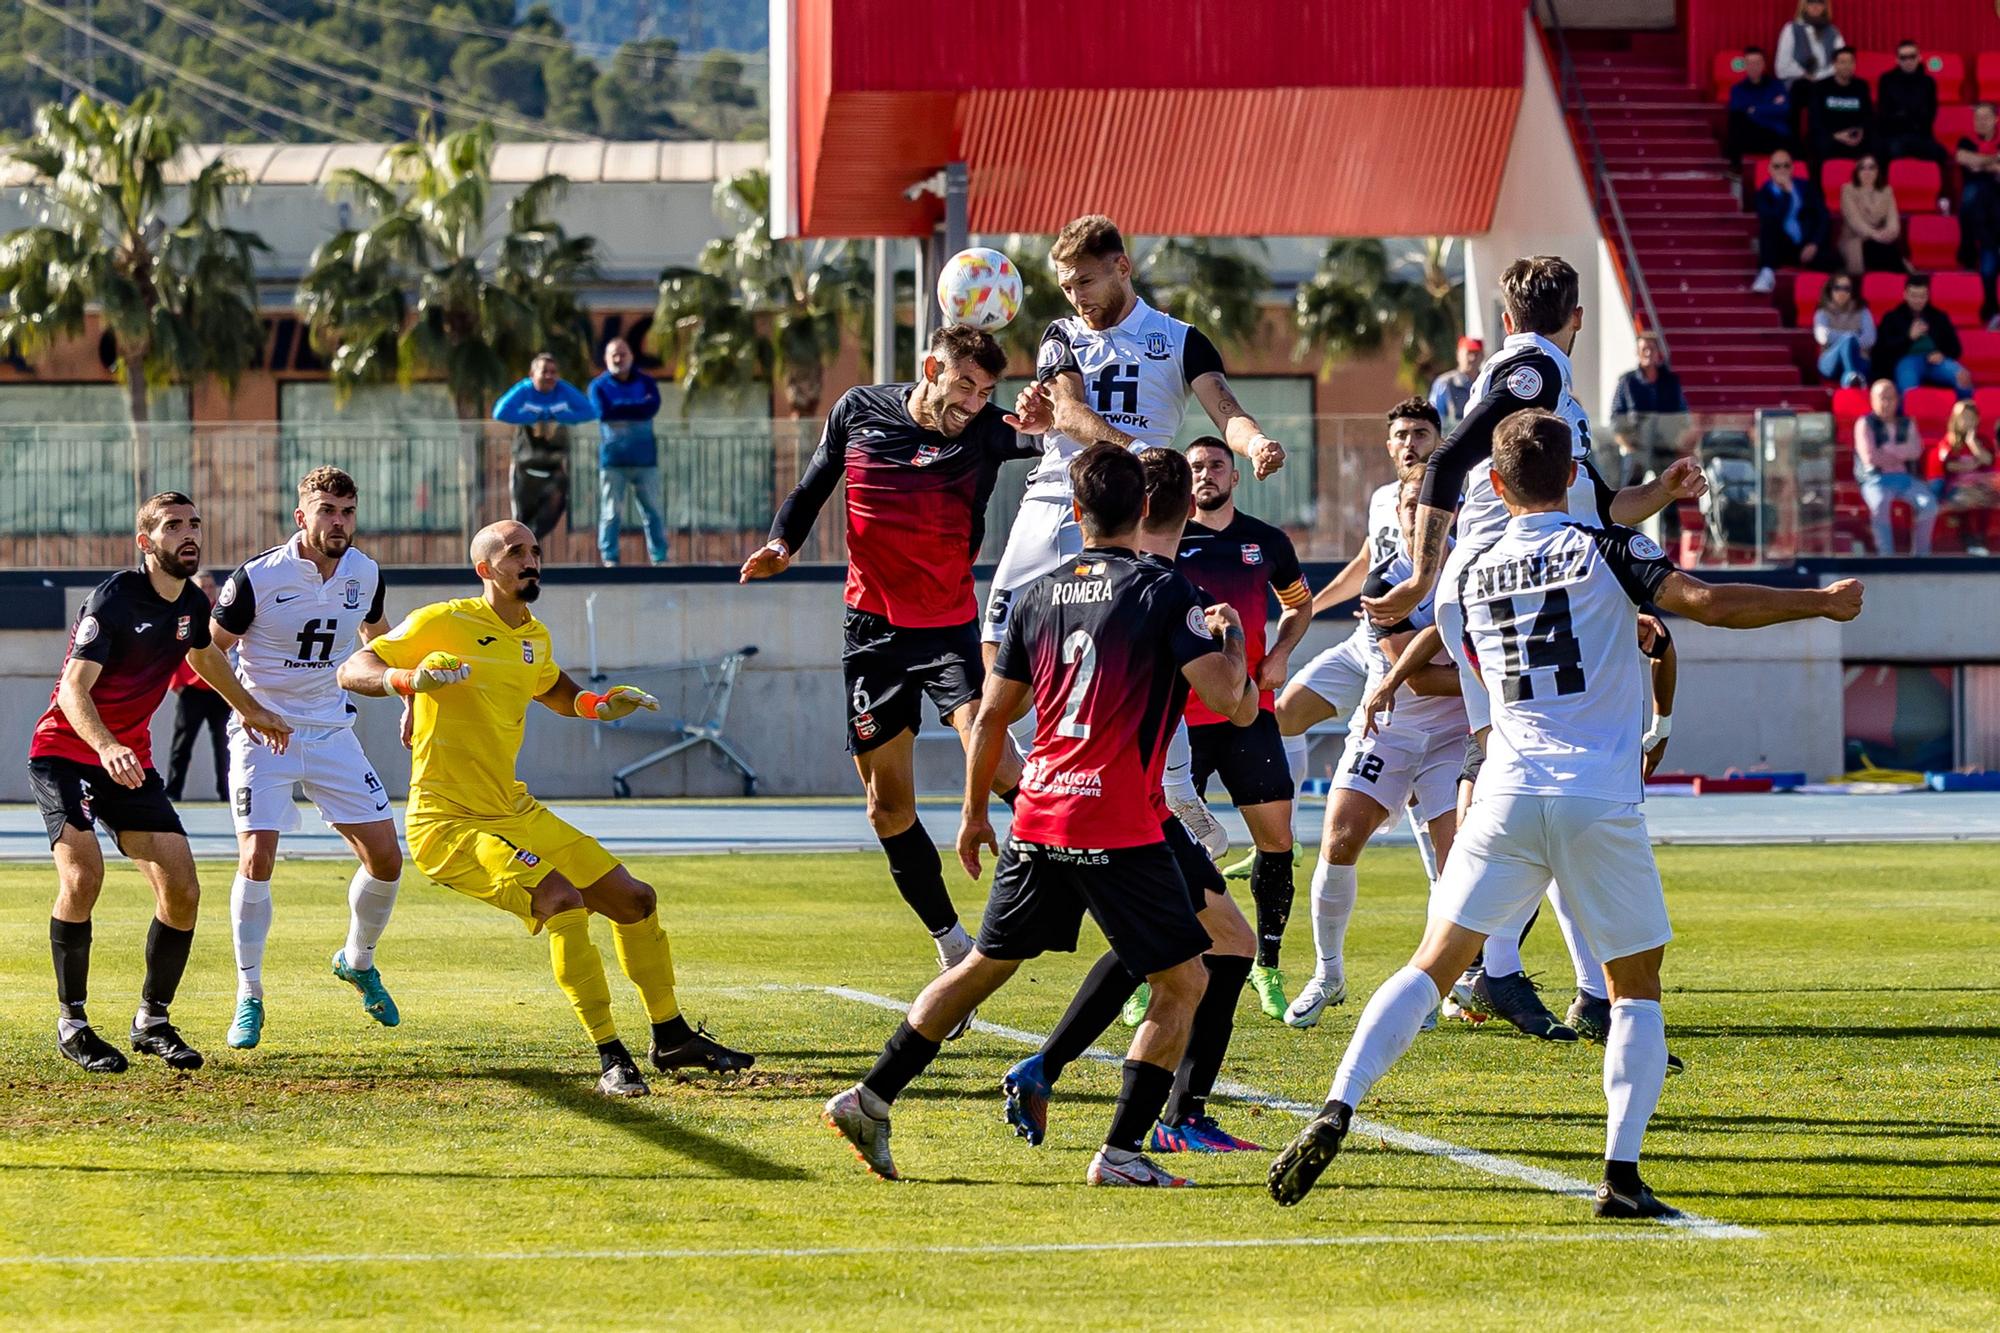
pixel 1551 612
pixel 1527 371
pixel 1385 526
pixel 1135 375
pixel 296 629
pixel 1428 713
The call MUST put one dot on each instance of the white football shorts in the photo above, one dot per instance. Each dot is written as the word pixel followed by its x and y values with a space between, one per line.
pixel 328 761
pixel 1044 535
pixel 1338 674
pixel 1396 762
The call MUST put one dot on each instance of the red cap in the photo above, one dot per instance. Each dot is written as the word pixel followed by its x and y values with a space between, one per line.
pixel 1471 345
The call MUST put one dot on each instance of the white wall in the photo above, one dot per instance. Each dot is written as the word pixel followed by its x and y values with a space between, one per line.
pixel 1544 208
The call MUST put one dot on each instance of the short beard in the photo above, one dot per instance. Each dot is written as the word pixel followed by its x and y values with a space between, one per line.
pixel 1211 504
pixel 171 565
pixel 530 590
pixel 321 545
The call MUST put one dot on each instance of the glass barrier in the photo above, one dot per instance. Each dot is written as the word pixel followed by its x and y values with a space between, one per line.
pixel 1782 487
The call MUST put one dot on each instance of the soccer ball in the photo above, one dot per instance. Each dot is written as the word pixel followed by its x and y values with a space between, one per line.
pixel 979 287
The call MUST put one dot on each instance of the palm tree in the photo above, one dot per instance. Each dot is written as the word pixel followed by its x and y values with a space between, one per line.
pixel 439 283
pixel 179 298
pixel 1214 285
pixel 753 306
pixel 1358 300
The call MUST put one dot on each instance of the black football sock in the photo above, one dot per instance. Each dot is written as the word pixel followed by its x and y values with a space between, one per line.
pixel 1010 795
pixel 919 874
pixel 1208 1038
pixel 69 946
pixel 671 1033
pixel 1623 1177
pixel 908 1054
pixel 166 959
pixel 1139 1103
pixel 1271 889
pixel 613 1052
pixel 1339 1110
pixel 1098 1000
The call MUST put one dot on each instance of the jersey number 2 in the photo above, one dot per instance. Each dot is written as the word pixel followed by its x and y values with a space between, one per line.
pixel 1081 651
pixel 1550 644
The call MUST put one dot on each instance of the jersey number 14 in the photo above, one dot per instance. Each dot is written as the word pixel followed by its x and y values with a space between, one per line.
pixel 1550 644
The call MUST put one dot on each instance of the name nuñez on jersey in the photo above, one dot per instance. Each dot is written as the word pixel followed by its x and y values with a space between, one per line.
pixel 1529 572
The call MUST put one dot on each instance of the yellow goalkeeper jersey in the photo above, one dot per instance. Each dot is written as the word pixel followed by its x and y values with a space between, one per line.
pixel 466 737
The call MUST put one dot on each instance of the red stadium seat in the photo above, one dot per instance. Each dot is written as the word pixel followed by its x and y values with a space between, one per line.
pixel 1948 68
pixel 1849 406
pixel 1952 124
pixel 1917 184
pixel 1870 66
pixel 1959 295
pixel 1727 71
pixel 1881 292
pixel 1981 355
pixel 1989 75
pixel 1930 408
pixel 1834 173
pixel 1933 241
pixel 1806 293
pixel 1988 403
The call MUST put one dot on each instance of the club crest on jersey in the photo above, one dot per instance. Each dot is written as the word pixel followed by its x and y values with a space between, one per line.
pixel 353 598
pixel 183 627
pixel 864 726
pixel 1252 554
pixel 1643 547
pixel 1197 623
pixel 527 651
pixel 1524 382
pixel 926 455
pixel 1050 356
pixel 86 631
pixel 527 858
pixel 228 596
pixel 1156 346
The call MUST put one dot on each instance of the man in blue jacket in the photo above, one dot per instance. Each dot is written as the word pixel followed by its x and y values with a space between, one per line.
pixel 1760 109
pixel 628 457
pixel 541 409
pixel 1791 223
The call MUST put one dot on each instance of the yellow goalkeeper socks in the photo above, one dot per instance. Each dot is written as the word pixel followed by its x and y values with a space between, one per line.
pixel 580 972
pixel 648 960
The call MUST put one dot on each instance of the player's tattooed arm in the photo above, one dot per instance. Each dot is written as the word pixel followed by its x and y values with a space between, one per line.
pixel 1427 562
pixel 1239 429
pixel 1075 418
pixel 986 744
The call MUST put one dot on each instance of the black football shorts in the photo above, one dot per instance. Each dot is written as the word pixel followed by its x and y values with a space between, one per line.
pixel 888 671
pixel 79 795
pixel 1135 894
pixel 1249 760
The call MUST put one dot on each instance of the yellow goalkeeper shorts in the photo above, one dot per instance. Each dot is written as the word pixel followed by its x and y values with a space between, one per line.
pixel 499 861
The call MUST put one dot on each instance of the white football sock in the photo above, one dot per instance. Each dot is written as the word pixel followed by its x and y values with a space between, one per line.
pixel 1635 1067
pixel 1333 895
pixel 1178 780
pixel 1295 758
pixel 250 926
pixel 1426 849
pixel 1589 972
pixel 1394 1015
pixel 369 903
pixel 953 945
pixel 1503 953
pixel 1022 729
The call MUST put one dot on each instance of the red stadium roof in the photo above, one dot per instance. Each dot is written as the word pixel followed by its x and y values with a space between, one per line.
pixel 1270 117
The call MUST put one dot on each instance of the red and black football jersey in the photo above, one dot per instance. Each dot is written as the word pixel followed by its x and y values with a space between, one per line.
pixel 1242 564
pixel 140 640
pixel 1101 642
pixel 916 503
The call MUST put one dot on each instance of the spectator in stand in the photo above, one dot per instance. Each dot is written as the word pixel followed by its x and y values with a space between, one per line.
pixel 1870 227
pixel 1916 343
pixel 1791 224
pixel 1885 447
pixel 541 409
pixel 197 705
pixel 1805 55
pixel 1653 388
pixel 1845 331
pixel 1962 465
pixel 628 456
pixel 1843 117
pixel 1760 110
pixel 1451 390
pixel 1906 103
pixel 1979 201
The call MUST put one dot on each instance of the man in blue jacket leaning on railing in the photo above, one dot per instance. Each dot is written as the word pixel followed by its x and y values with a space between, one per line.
pixel 542 408
pixel 628 457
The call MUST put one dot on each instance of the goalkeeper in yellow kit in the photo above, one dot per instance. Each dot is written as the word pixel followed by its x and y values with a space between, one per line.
pixel 470 668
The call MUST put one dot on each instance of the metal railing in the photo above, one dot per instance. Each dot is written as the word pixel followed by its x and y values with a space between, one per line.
pixel 1605 193
pixel 1779 490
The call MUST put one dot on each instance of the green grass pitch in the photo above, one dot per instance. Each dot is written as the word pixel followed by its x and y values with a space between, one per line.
pixel 1836 1007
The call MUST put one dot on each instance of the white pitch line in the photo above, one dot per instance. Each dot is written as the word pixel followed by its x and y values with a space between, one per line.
pixel 821 1252
pixel 1555 1182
